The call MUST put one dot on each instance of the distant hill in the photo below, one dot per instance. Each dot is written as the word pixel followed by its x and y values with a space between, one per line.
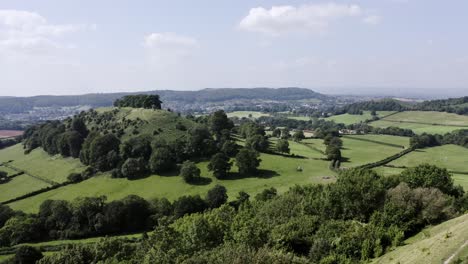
pixel 179 100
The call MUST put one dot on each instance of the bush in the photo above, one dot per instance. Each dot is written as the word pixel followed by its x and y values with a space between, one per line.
pixel 75 177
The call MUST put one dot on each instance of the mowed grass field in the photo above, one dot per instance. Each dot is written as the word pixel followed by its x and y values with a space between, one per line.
pixel 348 119
pixel 434 245
pixel 425 121
pixel 39 163
pixel 275 171
pixel 247 114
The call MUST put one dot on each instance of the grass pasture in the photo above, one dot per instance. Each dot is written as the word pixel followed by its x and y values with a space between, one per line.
pixel 425 121
pixel 359 152
pixel 433 245
pixel 20 185
pixel 275 171
pixel 451 157
pixel 40 164
pixel 348 119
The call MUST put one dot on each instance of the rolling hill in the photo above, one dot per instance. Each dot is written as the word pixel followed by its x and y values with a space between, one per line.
pixel 445 243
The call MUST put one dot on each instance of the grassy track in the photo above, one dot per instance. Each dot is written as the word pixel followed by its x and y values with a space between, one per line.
pixel 433 245
pixel 276 171
pixel 425 121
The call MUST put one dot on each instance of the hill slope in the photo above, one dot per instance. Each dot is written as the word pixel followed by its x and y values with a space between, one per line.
pixel 439 244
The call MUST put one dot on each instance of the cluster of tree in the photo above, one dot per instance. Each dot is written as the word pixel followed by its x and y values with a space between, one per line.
pixel 56 137
pixel 451 105
pixel 457 137
pixel 377 105
pixel 93 216
pixel 333 149
pixel 359 217
pixel 139 101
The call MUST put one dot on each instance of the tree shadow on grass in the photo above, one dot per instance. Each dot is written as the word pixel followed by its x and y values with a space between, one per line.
pixel 260 174
pixel 201 181
pixel 345 160
pixel 293 156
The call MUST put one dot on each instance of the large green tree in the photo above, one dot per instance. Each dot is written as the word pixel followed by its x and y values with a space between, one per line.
pixel 220 165
pixel 247 160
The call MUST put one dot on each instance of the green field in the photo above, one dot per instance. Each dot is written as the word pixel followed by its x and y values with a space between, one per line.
pixel 247 114
pixel 361 152
pixel 40 164
pixel 425 122
pixel 433 245
pixel 451 157
pixel 348 119
pixel 20 185
pixel 277 171
pixel 396 140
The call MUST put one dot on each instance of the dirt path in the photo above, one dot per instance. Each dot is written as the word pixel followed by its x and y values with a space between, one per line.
pixel 452 257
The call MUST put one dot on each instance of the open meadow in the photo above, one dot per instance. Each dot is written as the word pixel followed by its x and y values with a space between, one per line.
pixel 349 119
pixel 38 163
pixel 424 121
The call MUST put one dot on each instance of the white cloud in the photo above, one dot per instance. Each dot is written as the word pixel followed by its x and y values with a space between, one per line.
pixel 168 48
pixel 307 18
pixel 29 32
pixel 372 20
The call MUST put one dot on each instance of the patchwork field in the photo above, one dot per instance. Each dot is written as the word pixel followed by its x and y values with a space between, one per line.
pixel 348 119
pixel 425 121
pixel 276 171
pixel 444 243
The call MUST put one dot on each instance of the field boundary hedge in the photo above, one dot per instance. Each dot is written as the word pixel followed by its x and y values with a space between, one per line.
pixel 375 141
pixel 53 183
pixel 423 123
pixel 313 148
pixel 386 160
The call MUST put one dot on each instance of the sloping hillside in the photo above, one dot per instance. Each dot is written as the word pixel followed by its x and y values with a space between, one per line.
pixel 444 243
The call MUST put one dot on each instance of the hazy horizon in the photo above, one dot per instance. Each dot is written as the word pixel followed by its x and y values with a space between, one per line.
pixel 389 47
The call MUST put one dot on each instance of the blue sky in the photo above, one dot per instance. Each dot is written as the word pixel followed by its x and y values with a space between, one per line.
pixel 380 46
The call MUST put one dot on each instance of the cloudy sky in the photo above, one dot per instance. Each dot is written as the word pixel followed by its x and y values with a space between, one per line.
pixel 373 46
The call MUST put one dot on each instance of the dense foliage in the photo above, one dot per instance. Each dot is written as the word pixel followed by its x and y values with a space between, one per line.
pixel 139 101
pixel 380 105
